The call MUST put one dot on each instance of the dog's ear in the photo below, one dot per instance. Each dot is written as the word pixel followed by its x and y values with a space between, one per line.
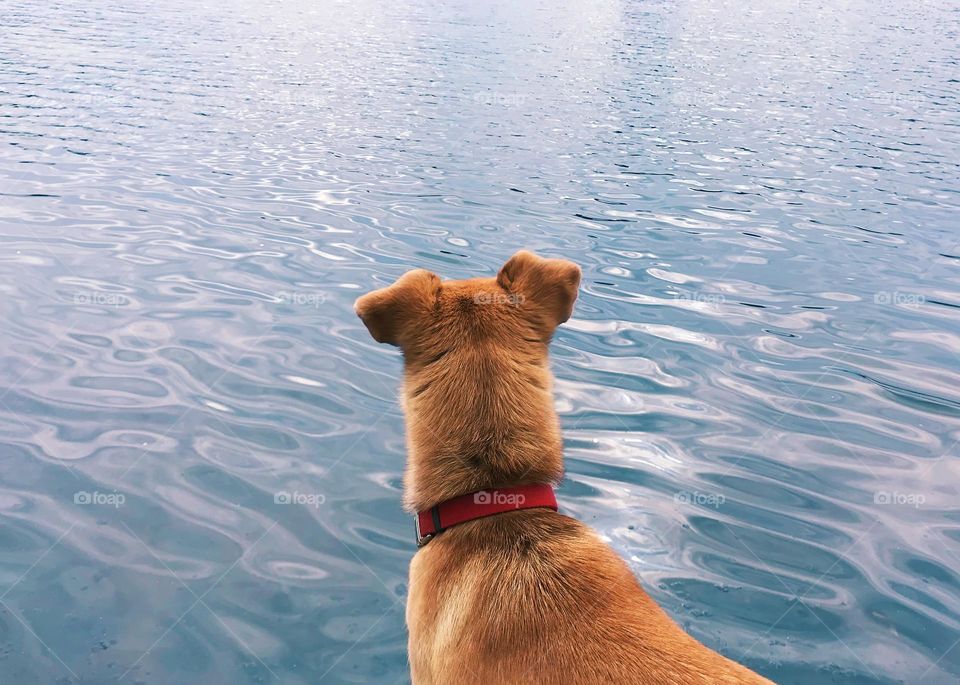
pixel 390 313
pixel 547 288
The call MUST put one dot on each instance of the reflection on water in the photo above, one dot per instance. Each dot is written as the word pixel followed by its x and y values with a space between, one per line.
pixel 201 448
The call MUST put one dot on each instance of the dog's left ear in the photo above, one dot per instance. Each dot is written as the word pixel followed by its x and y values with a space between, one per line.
pixel 547 288
pixel 391 314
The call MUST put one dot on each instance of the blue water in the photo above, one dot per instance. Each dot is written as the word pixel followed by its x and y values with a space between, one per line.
pixel 760 388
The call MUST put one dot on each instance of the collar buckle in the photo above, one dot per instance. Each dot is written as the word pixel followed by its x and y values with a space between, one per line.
pixel 421 539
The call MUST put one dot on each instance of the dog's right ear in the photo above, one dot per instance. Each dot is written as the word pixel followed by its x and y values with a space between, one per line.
pixel 545 288
pixel 389 313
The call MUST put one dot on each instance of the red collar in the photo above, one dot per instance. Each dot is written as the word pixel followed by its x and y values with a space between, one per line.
pixel 431 522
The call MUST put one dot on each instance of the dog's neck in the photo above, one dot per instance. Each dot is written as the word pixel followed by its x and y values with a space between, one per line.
pixel 482 424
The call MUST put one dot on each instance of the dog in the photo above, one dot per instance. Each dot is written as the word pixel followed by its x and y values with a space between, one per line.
pixel 504 590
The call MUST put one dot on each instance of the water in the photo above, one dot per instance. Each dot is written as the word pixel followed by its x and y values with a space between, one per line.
pixel 759 389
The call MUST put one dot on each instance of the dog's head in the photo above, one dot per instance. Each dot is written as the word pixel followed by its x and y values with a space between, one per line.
pixel 423 315
pixel 477 386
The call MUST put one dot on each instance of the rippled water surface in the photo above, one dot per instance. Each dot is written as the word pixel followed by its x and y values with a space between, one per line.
pixel 760 388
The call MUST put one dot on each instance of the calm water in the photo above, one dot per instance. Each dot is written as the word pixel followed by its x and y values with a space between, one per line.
pixel 760 389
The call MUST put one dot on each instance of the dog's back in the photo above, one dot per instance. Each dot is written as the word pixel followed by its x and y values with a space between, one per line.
pixel 536 597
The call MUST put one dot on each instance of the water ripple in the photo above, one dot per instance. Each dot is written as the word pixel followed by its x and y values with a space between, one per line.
pixel 201 446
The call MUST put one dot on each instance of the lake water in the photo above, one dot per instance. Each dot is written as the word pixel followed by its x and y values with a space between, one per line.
pixel 200 446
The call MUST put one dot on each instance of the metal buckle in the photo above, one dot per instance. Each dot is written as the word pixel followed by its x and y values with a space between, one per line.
pixel 421 539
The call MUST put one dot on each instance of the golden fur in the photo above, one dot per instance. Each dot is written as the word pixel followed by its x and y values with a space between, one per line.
pixel 529 596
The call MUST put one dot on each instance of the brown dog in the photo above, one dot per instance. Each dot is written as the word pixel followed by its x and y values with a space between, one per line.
pixel 526 596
